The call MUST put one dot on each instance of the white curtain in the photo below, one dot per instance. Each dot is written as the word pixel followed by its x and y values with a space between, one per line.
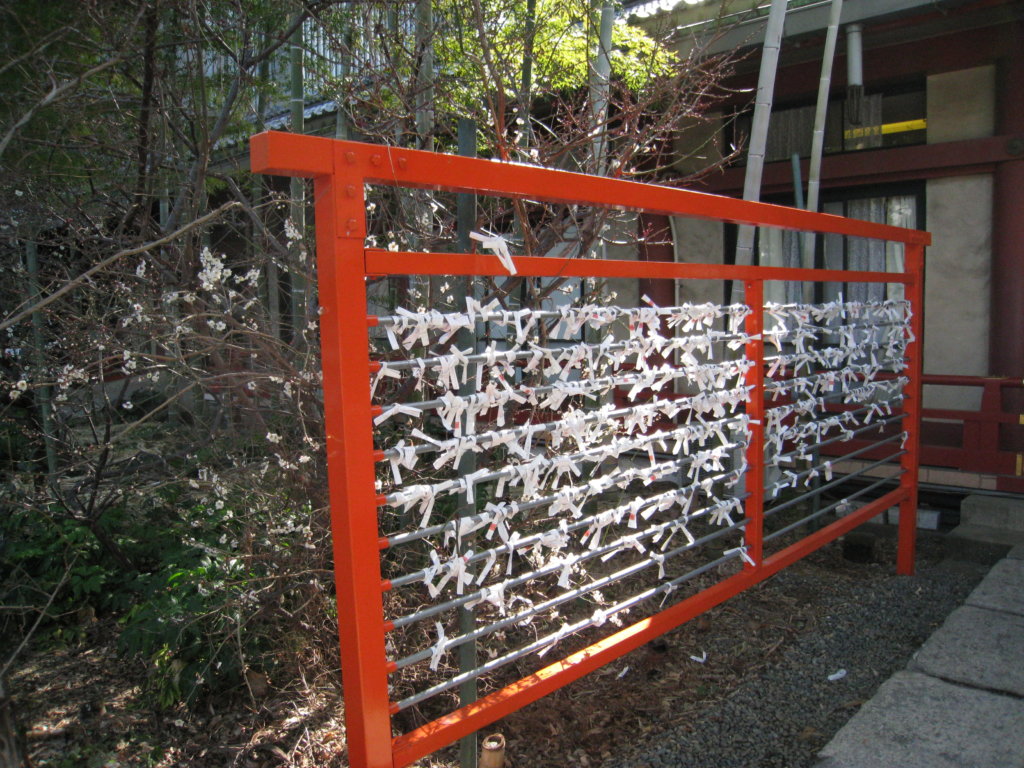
pixel 780 248
pixel 870 255
pixel 901 211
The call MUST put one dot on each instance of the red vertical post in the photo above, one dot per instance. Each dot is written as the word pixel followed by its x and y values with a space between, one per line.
pixel 910 461
pixel 341 229
pixel 1006 343
pixel 754 296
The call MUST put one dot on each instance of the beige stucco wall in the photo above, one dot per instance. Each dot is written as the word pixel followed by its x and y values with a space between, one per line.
pixel 697 146
pixel 957 273
pixel 620 242
pixel 961 105
pixel 698 241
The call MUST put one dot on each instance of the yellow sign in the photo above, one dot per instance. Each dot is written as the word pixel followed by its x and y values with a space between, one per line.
pixel 886 128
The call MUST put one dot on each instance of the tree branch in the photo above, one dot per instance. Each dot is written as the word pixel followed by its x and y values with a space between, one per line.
pixel 76 282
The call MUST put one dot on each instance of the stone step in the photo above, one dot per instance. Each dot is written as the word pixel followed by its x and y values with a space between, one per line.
pixel 1002 512
pixel 917 721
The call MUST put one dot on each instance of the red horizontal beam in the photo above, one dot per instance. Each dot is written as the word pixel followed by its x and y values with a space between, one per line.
pixel 291 154
pixel 991 417
pixel 462 722
pixel 382 262
pixel 982 462
pixel 953 380
pixel 878 165
pixel 294 154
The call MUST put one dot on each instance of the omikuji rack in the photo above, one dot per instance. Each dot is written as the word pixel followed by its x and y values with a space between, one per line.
pixel 862 373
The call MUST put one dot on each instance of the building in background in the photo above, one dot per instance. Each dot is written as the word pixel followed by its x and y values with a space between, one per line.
pixel 934 140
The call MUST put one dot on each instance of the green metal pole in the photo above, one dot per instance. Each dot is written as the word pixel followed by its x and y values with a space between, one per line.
pixel 465 211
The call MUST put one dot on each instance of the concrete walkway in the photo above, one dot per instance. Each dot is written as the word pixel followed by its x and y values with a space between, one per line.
pixel 960 702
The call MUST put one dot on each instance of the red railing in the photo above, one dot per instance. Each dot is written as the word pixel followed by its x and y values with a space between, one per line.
pixel 340 170
pixel 988 441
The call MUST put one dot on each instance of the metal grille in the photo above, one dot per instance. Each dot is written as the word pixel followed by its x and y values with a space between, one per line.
pixel 532 499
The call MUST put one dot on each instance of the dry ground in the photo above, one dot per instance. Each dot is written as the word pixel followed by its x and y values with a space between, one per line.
pixel 84 706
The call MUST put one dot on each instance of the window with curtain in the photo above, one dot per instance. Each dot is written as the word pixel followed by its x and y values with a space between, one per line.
pixel 778 248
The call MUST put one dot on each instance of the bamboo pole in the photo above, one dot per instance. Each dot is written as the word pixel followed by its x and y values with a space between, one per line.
pixel 821 110
pixel 600 83
pixel 759 129
pixel 493 755
pixel 300 300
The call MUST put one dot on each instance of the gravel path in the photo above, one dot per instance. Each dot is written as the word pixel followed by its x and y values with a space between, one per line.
pixel 782 716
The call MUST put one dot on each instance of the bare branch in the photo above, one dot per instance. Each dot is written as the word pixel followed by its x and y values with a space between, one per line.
pixel 76 282
pixel 57 91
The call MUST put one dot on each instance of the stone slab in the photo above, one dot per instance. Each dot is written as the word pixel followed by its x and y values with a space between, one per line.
pixel 1017 553
pixel 976 647
pixel 989 534
pixel 916 721
pixel 994 511
pixel 1002 589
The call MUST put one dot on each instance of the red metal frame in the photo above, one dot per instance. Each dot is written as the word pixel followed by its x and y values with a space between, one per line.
pixel 988 441
pixel 340 170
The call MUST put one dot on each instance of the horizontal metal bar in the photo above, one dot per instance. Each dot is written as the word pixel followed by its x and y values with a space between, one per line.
pixel 772 307
pixel 607 315
pixel 829 508
pixel 462 722
pixel 833 483
pixel 596 454
pixel 782 385
pixel 498 437
pixel 838 438
pixel 838 397
pixel 539 573
pixel 828 329
pixel 859 350
pixel 874 384
pixel 382 262
pixel 595 386
pixel 452 525
pixel 493 664
pixel 572 594
pixel 506 355
pixel 526 541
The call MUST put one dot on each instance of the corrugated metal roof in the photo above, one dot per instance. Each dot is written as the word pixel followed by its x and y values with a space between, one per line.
pixel 283 119
pixel 647 8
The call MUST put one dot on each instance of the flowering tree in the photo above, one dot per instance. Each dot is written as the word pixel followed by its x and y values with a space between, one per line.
pixel 160 430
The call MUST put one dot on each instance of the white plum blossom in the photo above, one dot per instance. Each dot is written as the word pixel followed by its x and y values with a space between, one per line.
pixel 213 271
pixel 18 389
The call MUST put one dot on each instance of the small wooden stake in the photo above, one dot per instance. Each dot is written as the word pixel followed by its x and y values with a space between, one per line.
pixel 493 754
